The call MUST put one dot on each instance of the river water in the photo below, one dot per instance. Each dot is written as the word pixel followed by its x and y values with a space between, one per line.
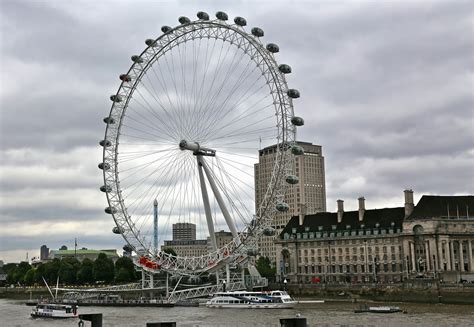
pixel 16 313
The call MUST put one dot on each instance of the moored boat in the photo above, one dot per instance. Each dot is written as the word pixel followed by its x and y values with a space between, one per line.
pixel 256 300
pixel 54 310
pixel 378 309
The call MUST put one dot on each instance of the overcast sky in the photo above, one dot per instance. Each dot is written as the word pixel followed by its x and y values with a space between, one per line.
pixel 386 89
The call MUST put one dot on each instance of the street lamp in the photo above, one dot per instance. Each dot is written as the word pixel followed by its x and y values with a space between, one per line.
pixel 223 285
pixel 284 284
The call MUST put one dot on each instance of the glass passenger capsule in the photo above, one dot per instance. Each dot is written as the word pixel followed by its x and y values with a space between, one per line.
pixel 297 121
pixel 184 20
pixel 109 120
pixel 222 15
pixel 257 31
pixel 273 48
pixel 104 166
pixel 116 98
pixel 151 42
pixel 105 143
pixel 285 69
pixel 110 210
pixel 202 15
pixel 268 231
pixel 137 59
pixel 297 150
pixel 166 29
pixel 292 179
pixel 105 188
pixel 125 78
pixel 293 93
pixel 240 21
pixel 282 207
pixel 117 230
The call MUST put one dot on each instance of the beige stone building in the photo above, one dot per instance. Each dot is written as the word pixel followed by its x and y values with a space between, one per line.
pixel 381 245
pixel 194 248
pixel 81 254
pixel 308 196
pixel 187 248
pixel 222 238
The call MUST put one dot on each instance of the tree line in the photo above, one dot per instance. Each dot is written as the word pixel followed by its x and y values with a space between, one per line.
pixel 73 272
pixel 102 270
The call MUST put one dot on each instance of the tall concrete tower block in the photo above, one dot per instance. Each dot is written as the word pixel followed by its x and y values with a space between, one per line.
pixel 44 252
pixel 308 195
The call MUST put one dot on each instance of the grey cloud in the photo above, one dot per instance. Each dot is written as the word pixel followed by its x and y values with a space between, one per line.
pixel 386 90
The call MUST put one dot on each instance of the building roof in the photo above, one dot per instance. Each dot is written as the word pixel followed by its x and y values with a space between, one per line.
pixel 185 242
pixel 436 206
pixel 429 206
pixel 384 217
pixel 307 146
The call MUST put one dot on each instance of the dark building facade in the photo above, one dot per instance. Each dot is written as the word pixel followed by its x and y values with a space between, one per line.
pixel 44 252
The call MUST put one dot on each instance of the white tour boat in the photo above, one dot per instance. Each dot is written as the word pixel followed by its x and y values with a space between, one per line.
pixel 257 300
pixel 54 310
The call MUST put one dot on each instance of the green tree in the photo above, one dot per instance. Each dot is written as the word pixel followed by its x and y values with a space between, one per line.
pixel 103 269
pixel 51 270
pixel 123 276
pixel 264 267
pixel 30 276
pixel 67 273
pixel 124 270
pixel 39 273
pixel 20 272
pixel 68 270
pixel 85 274
pixel 9 269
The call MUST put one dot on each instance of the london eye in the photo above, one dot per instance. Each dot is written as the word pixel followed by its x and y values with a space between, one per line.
pixel 184 132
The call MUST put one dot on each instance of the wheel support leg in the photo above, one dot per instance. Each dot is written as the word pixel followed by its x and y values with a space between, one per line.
pixel 207 207
pixel 220 201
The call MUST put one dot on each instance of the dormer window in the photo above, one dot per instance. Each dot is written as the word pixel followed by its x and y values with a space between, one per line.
pixel 348 226
pixel 306 229
pixel 362 226
pixel 320 228
pixel 377 225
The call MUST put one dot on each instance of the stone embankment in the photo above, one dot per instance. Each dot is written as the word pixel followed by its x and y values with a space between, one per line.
pixel 407 292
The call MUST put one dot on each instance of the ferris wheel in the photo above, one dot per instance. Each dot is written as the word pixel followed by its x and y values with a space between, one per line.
pixel 183 137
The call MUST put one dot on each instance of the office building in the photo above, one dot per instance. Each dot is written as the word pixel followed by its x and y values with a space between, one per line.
pixel 184 231
pixel 44 252
pixel 307 197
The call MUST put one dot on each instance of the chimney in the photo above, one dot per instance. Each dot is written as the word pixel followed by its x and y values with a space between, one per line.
pixel 302 213
pixel 340 210
pixel 409 205
pixel 361 208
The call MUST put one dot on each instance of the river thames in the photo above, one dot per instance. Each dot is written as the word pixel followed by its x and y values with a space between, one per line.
pixel 16 313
